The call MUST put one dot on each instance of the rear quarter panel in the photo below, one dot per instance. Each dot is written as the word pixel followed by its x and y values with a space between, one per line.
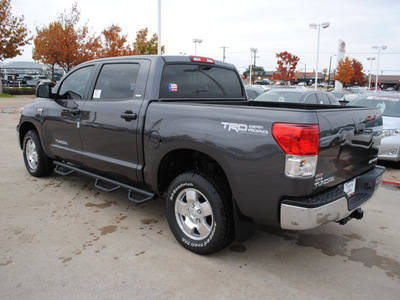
pixel 240 140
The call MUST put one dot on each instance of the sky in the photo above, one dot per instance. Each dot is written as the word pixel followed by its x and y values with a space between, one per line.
pixel 271 26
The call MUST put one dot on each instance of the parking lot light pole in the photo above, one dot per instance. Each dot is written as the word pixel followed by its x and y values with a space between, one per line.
pixel 318 26
pixel 370 71
pixel 196 41
pixel 159 28
pixel 377 63
pixel 253 51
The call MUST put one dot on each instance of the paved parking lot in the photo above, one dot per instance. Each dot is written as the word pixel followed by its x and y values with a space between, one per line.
pixel 60 238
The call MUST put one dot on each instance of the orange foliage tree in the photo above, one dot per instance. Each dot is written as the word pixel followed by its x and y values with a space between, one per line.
pixel 13 33
pixel 144 47
pixel 64 43
pixel 358 76
pixel 344 71
pixel 287 63
pixel 114 43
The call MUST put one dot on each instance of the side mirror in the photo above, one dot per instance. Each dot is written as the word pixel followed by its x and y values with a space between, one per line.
pixel 44 91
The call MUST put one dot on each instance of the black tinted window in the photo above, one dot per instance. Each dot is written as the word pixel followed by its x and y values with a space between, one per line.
pixel 199 81
pixel 73 87
pixel 116 81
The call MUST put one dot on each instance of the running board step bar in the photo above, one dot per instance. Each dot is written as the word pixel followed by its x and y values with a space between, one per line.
pixel 100 179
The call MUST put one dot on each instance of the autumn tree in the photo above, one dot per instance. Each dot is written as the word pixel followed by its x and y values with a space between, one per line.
pixel 344 71
pixel 358 76
pixel 13 33
pixel 115 44
pixel 287 63
pixel 64 43
pixel 144 47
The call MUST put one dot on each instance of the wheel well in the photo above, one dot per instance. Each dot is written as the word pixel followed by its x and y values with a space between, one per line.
pixel 25 127
pixel 184 160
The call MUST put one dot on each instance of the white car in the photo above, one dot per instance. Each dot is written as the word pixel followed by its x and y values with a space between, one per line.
pixel 389 105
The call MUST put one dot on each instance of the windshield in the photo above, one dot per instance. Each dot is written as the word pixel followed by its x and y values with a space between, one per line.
pixel 281 96
pixel 389 106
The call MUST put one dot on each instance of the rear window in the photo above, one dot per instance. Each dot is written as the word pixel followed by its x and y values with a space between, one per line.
pixel 389 106
pixel 199 81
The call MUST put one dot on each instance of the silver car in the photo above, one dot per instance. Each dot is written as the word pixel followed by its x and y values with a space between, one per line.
pixel 389 105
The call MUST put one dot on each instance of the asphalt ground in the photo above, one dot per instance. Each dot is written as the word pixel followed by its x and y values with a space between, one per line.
pixel 60 238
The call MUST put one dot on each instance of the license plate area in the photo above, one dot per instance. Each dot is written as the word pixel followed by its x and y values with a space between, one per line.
pixel 350 188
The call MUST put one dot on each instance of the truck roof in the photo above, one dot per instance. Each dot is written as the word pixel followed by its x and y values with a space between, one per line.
pixel 164 58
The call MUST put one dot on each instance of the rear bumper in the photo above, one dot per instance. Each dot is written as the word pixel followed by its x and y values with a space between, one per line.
pixel 332 205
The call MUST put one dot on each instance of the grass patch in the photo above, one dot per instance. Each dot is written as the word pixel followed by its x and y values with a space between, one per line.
pixel 19 91
pixel 6 96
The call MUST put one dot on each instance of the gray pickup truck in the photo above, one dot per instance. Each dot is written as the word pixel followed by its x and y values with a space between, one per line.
pixel 181 128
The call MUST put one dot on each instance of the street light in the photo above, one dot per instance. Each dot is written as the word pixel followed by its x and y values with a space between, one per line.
pixel 159 28
pixel 377 63
pixel 196 41
pixel 370 71
pixel 252 50
pixel 318 26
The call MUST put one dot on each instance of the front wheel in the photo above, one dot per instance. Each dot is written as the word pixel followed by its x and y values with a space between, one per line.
pixel 199 214
pixel 36 161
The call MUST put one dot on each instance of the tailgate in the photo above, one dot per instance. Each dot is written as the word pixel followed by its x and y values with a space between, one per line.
pixel 349 144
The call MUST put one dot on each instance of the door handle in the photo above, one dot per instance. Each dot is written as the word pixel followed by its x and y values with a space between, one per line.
pixel 129 115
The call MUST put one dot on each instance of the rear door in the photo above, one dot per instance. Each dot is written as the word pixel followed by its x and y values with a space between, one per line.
pixel 110 120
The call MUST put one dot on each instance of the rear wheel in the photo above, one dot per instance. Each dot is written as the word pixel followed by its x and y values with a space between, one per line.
pixel 36 161
pixel 199 213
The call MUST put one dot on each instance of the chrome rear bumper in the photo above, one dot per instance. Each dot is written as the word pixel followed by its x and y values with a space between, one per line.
pixel 330 206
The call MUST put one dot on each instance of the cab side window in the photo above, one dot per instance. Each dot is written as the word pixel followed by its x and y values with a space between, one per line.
pixel 116 81
pixel 74 86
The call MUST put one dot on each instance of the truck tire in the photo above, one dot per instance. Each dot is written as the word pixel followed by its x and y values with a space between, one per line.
pixel 199 213
pixel 36 161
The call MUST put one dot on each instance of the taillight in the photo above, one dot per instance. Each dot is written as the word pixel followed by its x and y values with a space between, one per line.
pixel 300 142
pixel 202 59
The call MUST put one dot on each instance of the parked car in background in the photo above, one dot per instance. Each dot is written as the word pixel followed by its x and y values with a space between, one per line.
pixel 253 91
pixel 340 95
pixel 297 96
pixel 43 79
pixel 389 104
pixel 263 82
pixel 320 84
pixel 302 84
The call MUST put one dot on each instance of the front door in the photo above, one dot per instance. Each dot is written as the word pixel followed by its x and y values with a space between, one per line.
pixel 61 116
